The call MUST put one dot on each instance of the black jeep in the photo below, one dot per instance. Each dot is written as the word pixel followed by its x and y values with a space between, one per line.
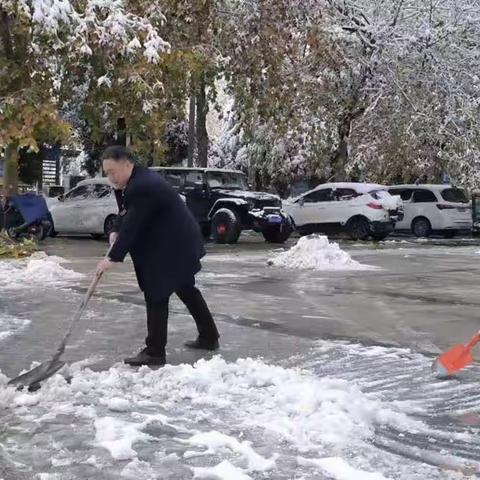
pixel 224 205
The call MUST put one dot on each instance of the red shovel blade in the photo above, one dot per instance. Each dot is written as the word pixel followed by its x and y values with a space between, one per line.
pixel 457 358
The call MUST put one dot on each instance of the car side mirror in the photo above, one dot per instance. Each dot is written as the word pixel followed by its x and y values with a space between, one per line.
pixel 301 202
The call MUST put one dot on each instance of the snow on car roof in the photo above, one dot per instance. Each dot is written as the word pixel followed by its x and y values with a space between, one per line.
pixel 199 169
pixel 357 186
pixel 87 181
pixel 431 186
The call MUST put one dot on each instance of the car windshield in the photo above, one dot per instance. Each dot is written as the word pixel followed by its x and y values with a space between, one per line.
pixel 230 180
pixel 455 195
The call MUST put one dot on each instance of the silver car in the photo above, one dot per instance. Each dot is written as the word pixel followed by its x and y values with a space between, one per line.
pixel 89 208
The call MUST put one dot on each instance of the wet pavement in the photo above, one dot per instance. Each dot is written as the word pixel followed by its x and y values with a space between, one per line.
pixel 376 329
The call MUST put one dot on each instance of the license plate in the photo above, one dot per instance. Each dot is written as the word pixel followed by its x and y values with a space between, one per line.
pixel 274 219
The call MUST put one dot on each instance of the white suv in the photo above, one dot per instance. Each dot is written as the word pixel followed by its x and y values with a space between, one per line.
pixel 433 208
pixel 363 210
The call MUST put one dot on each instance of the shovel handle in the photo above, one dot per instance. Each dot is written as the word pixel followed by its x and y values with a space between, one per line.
pixel 473 341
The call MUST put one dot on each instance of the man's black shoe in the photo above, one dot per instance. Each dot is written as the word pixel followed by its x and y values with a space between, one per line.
pixel 203 344
pixel 145 358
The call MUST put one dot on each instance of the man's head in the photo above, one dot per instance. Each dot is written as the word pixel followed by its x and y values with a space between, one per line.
pixel 118 165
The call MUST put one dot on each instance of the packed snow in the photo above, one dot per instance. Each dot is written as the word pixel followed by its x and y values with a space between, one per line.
pixel 37 270
pixel 10 325
pixel 317 253
pixel 219 420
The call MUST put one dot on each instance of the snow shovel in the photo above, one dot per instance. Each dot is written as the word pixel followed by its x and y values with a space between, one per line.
pixel 453 360
pixel 32 378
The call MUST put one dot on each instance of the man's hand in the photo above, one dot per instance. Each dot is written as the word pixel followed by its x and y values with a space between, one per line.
pixel 112 238
pixel 103 266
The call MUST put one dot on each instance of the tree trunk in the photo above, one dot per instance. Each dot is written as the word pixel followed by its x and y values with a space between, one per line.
pixel 202 134
pixel 10 169
pixel 340 157
pixel 191 130
pixel 121 132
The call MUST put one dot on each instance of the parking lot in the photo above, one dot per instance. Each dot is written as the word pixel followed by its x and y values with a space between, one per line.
pixel 376 329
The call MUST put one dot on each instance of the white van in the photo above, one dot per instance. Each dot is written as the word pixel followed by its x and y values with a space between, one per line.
pixel 433 209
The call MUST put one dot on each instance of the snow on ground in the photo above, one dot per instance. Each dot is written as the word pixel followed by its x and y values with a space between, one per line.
pixel 223 420
pixel 316 252
pixel 10 325
pixel 37 270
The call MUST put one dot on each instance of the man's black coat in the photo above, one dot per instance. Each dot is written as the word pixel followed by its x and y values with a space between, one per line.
pixel 161 235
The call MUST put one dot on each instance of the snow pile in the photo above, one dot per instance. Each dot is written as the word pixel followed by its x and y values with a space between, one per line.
pixel 330 415
pixel 316 252
pixel 11 325
pixel 39 269
pixel 240 420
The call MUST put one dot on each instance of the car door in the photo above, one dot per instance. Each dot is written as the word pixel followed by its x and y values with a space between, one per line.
pixel 196 195
pixel 312 208
pixel 408 211
pixel 424 204
pixel 343 206
pixel 66 213
pixel 97 207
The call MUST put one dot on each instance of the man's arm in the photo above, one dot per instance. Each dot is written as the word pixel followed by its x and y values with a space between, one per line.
pixel 138 214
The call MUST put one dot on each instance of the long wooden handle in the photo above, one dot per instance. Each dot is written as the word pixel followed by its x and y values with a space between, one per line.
pixel 78 313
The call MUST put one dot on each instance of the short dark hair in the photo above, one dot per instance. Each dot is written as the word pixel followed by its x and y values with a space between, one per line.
pixel 117 153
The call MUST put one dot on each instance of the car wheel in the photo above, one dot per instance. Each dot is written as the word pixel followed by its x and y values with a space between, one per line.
pixel 421 227
pixel 109 225
pixel 277 233
pixel 225 226
pixel 47 229
pixel 358 228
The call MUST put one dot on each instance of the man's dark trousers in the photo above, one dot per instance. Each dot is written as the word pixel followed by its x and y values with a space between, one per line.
pixel 157 318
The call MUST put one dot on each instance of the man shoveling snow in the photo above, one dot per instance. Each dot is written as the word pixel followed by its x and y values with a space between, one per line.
pixel 166 245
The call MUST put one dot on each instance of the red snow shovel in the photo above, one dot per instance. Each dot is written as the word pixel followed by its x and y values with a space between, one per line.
pixel 453 360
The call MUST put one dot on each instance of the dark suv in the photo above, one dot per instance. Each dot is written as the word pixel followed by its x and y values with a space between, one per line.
pixel 224 205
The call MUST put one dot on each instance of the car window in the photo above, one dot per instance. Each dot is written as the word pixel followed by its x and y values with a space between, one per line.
pixel 77 193
pixel 175 179
pixel 424 196
pixel 405 194
pixel 101 190
pixel 345 193
pixel 324 195
pixel 455 195
pixel 193 178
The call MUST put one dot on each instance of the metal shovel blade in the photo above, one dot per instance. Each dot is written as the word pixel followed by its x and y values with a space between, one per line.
pixel 34 377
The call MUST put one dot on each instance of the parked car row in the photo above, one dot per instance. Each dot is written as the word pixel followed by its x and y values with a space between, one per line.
pixel 224 205
pixel 220 200
pixel 367 210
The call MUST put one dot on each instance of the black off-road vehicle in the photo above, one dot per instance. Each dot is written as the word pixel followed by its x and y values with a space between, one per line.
pixel 224 205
